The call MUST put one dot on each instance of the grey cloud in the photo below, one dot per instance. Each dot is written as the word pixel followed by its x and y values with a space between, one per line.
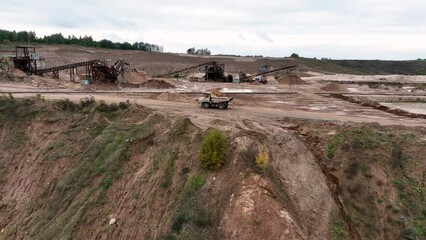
pixel 239 18
pixel 264 36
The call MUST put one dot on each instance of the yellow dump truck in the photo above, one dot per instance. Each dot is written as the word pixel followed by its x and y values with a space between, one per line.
pixel 214 100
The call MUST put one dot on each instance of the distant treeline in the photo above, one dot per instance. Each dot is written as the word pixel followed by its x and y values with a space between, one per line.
pixel 87 41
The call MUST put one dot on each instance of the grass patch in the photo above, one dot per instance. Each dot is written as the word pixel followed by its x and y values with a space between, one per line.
pixel 16 140
pixel 180 128
pixel 59 149
pixel 66 105
pixel 366 151
pixel 18 111
pixel 338 231
pixel 192 218
pixel 357 139
pixel 167 178
pixel 335 143
pixel 195 182
pixel 98 167
pixel 105 108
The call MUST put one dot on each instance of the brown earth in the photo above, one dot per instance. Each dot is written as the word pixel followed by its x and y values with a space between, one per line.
pixel 334 87
pixel 135 76
pixel 170 97
pixel 17 73
pixel 157 84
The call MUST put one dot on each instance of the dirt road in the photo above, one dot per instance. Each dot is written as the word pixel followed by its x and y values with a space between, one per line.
pixel 193 110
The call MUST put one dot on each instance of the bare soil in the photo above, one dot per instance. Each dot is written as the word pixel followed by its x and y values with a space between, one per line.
pixel 157 84
pixel 334 87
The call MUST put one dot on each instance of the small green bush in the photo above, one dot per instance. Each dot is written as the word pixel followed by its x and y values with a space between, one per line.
pixel 338 231
pixel 195 182
pixel 123 105
pixel 335 143
pixel 213 150
pixel 178 222
pixel 104 107
pixel 87 102
pixel 66 105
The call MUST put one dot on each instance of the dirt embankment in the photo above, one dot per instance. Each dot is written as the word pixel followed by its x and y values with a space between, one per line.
pixel 98 171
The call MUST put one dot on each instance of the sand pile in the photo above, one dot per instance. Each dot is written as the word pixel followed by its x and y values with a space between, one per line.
pixel 166 96
pixel 17 73
pixel 271 80
pixel 383 87
pixel 291 79
pixel 334 87
pixel 216 91
pixel 256 83
pixel 159 84
pixel 136 76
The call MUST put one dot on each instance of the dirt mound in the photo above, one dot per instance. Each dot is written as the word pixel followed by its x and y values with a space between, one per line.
pixel 291 79
pixel 334 87
pixel 17 73
pixel 130 85
pixel 136 76
pixel 256 83
pixel 159 84
pixel 216 91
pixel 167 96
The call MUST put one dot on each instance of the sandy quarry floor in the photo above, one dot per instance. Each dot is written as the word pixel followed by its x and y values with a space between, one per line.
pixel 269 102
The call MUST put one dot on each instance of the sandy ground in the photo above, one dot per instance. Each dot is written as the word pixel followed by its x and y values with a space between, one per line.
pixel 411 107
pixel 366 78
pixel 191 108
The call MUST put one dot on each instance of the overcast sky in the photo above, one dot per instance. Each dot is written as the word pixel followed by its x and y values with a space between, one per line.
pixel 361 29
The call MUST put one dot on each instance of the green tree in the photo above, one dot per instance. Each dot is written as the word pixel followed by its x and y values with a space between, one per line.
pixel 191 51
pixel 294 55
